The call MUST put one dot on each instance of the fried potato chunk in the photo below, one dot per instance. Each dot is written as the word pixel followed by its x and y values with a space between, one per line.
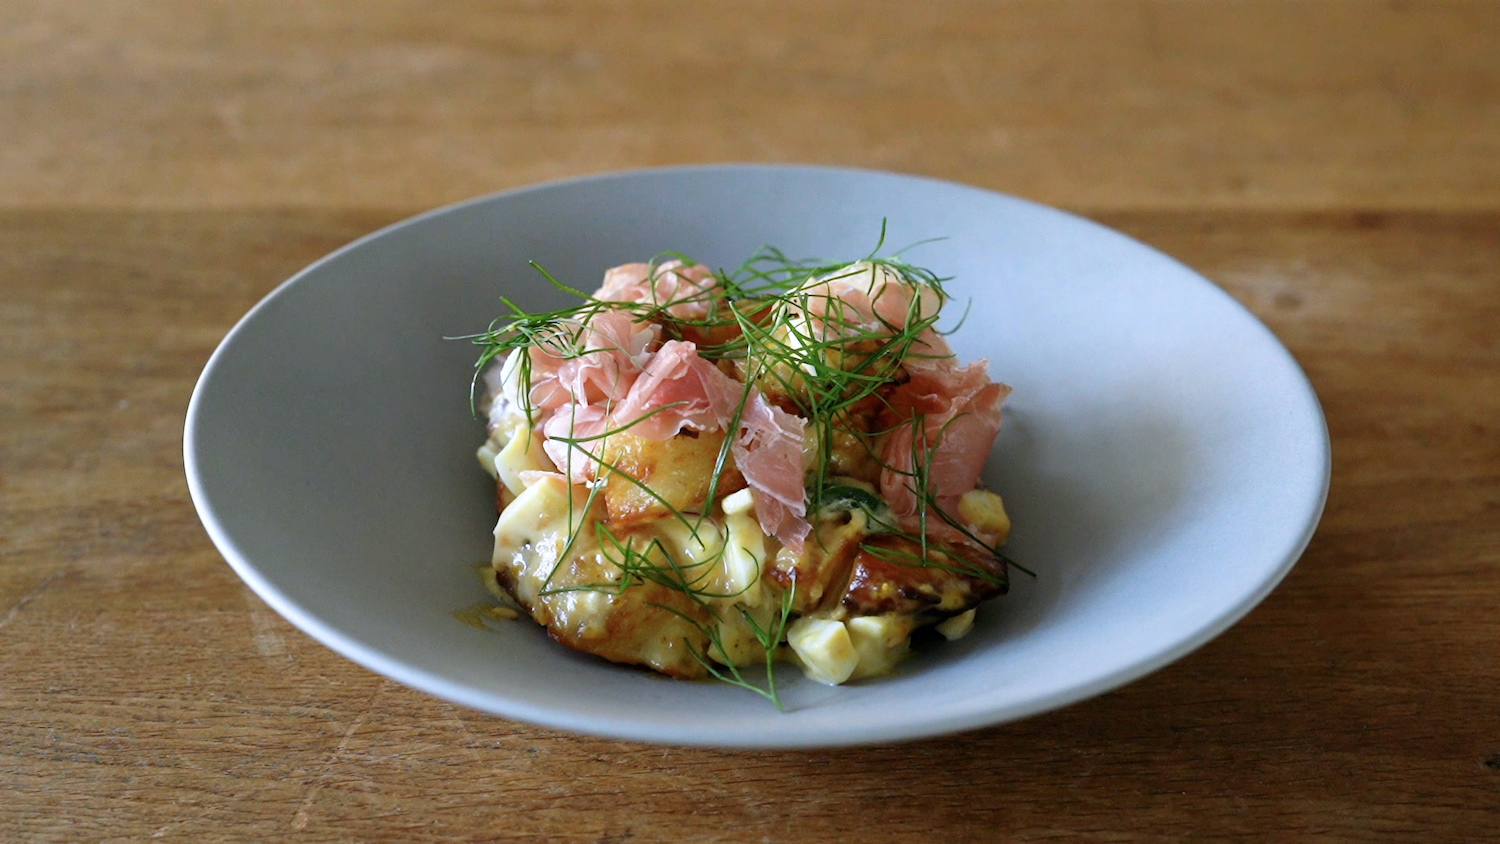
pixel 576 588
pixel 890 575
pixel 677 472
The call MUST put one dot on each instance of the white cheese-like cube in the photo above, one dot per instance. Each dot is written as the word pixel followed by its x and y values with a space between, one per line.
pixel 956 627
pixel 523 452
pixel 879 641
pixel 533 530
pixel 487 454
pixel 824 648
pixel 738 502
pixel 744 554
pixel 984 511
pixel 694 544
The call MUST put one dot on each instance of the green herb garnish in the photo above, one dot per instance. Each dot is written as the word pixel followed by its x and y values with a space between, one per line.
pixel 794 341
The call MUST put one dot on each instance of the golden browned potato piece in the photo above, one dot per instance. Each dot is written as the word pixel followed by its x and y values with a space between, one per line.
pixel 582 606
pixel 637 631
pixel 678 471
pixel 888 575
pixel 821 571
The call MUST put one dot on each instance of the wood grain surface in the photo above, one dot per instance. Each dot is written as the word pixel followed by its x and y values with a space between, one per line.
pixel 1334 165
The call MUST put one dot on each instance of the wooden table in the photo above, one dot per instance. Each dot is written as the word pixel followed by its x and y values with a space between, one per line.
pixel 1335 165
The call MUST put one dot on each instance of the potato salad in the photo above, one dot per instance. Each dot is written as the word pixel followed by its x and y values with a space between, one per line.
pixel 702 471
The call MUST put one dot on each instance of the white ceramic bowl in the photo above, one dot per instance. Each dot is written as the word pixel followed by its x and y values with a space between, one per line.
pixel 1164 459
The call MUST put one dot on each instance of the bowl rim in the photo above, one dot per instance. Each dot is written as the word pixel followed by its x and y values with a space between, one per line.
pixel 905 729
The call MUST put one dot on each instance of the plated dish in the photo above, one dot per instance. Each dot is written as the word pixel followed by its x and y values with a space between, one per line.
pixel 703 470
pixel 1165 460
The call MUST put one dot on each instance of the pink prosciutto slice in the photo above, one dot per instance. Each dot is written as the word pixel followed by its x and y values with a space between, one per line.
pixel 597 362
pixel 769 453
pixel 687 290
pixel 584 425
pixel 947 417
pixel 867 297
pixel 680 389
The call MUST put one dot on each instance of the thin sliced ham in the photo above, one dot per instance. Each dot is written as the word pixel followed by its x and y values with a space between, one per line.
pixel 678 389
pixel 593 363
pixel 584 423
pixel 866 298
pixel 866 301
pixel 769 452
pixel 687 291
pixel 530 477
pixel 947 417
pixel 929 353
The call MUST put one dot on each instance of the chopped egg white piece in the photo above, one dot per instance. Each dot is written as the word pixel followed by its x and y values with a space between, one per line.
pixel 823 646
pixel 985 511
pixel 738 502
pixel 744 553
pixel 957 627
pixel 534 529
pixel 523 452
pixel 695 546
pixel 880 641
pixel 487 454
pixel 506 411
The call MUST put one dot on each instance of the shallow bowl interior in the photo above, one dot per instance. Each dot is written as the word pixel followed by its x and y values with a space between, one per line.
pixel 1163 458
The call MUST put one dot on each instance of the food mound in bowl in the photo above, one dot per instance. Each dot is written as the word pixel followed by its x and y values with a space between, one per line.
pixel 699 472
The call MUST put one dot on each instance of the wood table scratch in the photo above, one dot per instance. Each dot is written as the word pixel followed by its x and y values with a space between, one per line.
pixel 315 786
pixel 21 603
